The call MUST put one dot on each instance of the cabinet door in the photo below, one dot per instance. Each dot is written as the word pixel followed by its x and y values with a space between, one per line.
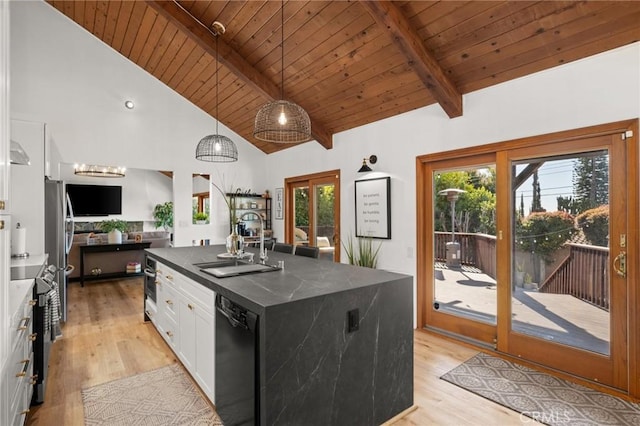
pixel 205 344
pixel 187 330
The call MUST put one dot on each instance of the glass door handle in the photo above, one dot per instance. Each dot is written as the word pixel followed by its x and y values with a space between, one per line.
pixel 621 260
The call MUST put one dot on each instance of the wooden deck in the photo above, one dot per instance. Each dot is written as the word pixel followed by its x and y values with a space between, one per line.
pixel 562 318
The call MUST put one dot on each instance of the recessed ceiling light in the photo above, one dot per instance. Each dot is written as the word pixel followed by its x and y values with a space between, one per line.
pixel 129 104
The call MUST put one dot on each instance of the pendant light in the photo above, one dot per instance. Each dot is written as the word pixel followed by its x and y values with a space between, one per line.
pixel 282 121
pixel 217 148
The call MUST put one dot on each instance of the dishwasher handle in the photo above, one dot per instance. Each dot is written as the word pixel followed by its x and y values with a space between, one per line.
pixel 229 314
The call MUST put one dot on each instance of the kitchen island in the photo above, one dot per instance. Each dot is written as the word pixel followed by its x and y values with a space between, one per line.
pixel 333 342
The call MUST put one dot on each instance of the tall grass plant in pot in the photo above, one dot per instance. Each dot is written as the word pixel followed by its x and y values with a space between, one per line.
pixel 362 251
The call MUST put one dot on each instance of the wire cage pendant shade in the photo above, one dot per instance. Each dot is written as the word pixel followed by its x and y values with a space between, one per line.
pixel 283 122
pixel 217 148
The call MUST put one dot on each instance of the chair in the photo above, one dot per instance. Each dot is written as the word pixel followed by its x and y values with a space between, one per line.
pixel 307 251
pixel 283 248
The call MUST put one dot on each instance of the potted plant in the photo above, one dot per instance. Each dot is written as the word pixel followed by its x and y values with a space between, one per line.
pixel 528 282
pixel 200 217
pixel 114 228
pixel 163 215
pixel 365 254
pixel 519 274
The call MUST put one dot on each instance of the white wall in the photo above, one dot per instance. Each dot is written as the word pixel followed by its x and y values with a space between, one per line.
pixel 141 190
pixel 63 76
pixel 27 185
pixel 599 89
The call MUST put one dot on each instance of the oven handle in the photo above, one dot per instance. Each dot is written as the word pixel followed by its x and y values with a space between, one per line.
pixel 149 273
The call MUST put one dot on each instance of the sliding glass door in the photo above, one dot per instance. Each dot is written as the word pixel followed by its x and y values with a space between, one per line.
pixel 525 246
pixel 312 204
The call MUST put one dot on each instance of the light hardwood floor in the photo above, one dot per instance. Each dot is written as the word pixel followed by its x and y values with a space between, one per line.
pixel 105 339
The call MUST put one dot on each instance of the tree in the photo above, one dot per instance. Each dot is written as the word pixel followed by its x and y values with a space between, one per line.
pixel 590 182
pixel 475 209
pixel 301 200
pixel 536 203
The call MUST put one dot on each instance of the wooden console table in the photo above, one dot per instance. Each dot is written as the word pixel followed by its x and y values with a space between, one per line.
pixel 102 248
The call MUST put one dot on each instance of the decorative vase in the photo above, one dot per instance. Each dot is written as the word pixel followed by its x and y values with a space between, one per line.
pixel 235 242
pixel 115 237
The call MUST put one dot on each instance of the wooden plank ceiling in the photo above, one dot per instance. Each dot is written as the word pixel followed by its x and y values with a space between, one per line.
pixel 349 63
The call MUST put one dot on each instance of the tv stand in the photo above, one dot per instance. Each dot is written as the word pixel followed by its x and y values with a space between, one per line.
pixel 105 248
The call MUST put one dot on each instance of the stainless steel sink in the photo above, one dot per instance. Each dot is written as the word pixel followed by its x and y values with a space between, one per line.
pixel 232 268
pixel 221 263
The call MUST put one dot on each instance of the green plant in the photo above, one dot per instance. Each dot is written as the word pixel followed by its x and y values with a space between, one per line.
pixel 528 279
pixel 112 224
pixel 364 253
pixel 200 216
pixel 163 215
pixel 519 266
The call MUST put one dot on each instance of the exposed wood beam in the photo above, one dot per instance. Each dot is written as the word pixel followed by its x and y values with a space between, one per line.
pixel 231 59
pixel 423 62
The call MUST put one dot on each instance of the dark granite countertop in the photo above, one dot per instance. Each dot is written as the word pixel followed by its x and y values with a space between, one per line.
pixel 301 278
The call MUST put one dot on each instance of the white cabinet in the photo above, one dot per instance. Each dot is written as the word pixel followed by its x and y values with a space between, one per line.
pixel 17 376
pixel 185 319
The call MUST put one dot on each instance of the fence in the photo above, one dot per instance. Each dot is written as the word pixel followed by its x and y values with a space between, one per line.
pixel 477 250
pixel 583 274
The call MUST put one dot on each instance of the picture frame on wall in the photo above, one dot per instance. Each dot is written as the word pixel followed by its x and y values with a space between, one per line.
pixel 279 203
pixel 373 208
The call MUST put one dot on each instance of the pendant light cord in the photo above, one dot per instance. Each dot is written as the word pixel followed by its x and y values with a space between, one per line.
pixel 217 81
pixel 282 51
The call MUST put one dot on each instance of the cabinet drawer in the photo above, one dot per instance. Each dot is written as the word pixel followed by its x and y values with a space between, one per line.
pixel 197 293
pixel 151 310
pixel 21 321
pixel 20 375
pixel 20 409
pixel 170 331
pixel 170 302
pixel 165 273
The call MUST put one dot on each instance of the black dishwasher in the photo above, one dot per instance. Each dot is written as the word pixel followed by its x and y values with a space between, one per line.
pixel 236 362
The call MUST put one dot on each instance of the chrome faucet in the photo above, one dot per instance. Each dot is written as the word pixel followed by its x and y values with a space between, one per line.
pixel 263 252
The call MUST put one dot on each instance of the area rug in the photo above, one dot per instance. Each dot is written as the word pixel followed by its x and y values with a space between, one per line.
pixel 542 397
pixel 165 396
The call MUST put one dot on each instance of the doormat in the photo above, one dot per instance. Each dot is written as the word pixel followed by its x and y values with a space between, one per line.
pixel 165 396
pixel 540 396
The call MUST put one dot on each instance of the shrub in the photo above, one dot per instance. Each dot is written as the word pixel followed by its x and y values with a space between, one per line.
pixel 545 232
pixel 595 225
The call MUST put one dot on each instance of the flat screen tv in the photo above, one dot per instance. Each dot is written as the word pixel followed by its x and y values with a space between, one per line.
pixel 95 200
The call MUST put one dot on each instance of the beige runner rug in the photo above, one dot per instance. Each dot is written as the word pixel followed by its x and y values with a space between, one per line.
pixel 165 396
pixel 540 396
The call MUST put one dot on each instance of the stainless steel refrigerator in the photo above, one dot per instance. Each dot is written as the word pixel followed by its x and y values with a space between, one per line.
pixel 58 234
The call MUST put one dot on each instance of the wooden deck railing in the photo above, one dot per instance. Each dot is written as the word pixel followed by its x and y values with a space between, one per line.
pixel 477 250
pixel 583 274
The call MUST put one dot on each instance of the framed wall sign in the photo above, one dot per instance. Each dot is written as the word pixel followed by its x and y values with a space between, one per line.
pixel 279 203
pixel 373 210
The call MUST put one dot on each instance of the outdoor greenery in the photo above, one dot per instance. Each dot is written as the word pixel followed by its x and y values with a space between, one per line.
pixel 200 216
pixel 595 225
pixel 590 185
pixel 475 209
pixel 363 252
pixel 543 233
pixel 163 215
pixel 112 224
pixel 324 206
